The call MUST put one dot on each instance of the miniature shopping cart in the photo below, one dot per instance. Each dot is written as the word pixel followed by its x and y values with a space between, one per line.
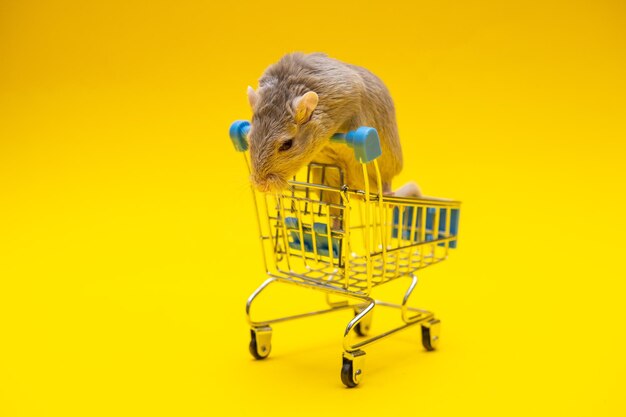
pixel 346 242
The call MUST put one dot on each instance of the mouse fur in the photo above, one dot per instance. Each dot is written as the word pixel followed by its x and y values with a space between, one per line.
pixel 302 100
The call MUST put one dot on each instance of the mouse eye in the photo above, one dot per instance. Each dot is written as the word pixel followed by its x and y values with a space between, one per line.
pixel 286 145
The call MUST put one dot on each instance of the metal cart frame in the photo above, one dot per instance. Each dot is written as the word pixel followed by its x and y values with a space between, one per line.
pixel 346 242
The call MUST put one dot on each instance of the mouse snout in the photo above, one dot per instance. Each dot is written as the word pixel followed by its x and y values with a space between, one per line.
pixel 270 183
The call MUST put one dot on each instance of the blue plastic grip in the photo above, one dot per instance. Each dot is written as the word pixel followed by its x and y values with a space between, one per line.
pixel 239 134
pixel 364 141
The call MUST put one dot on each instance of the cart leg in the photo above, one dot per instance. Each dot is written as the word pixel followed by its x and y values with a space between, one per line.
pixel 253 297
pixel 353 357
pixel 362 328
pixel 405 310
pixel 254 324
pixel 261 332
pixel 430 326
pixel 363 312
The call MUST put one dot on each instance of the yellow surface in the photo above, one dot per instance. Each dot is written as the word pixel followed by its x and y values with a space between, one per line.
pixel 127 242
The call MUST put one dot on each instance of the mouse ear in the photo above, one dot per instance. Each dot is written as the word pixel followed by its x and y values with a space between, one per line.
pixel 304 106
pixel 253 97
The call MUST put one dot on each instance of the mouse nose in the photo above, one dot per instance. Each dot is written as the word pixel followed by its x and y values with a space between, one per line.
pixel 259 182
pixel 268 183
pixel 262 186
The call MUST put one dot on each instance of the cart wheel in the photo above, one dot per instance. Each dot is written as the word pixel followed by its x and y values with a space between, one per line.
pixel 362 328
pixel 351 370
pixel 430 334
pixel 261 342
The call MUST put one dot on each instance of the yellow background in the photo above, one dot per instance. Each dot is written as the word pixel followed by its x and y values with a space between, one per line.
pixel 127 242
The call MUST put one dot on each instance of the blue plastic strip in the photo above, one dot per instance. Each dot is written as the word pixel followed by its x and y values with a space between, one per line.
pixel 454 226
pixel 320 229
pixel 291 222
pixel 430 234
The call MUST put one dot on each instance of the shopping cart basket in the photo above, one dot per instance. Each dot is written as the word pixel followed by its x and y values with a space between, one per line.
pixel 345 243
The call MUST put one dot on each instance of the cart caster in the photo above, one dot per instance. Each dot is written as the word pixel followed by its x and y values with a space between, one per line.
pixel 352 368
pixel 430 334
pixel 362 328
pixel 261 342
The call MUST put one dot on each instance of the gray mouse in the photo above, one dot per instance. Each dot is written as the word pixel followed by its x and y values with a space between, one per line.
pixel 304 99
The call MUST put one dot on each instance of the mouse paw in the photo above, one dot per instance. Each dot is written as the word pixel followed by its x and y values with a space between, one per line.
pixel 410 189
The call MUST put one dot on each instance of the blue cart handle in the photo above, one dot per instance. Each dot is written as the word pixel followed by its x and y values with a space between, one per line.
pixel 364 140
